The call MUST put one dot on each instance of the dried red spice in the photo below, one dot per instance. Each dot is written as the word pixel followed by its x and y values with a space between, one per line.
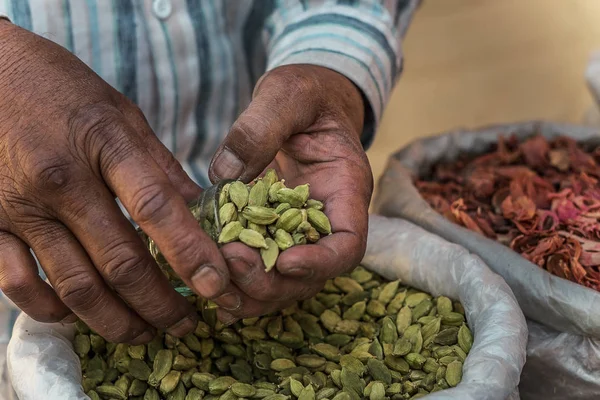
pixel 541 198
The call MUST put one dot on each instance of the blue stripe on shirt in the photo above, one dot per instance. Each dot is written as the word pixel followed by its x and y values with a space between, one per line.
pixel 70 44
pixel 127 47
pixel 95 36
pixel 21 14
pixel 342 38
pixel 351 22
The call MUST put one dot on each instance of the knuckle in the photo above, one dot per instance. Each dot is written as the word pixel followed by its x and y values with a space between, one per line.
pixel 99 130
pixel 150 204
pixel 124 266
pixel 16 286
pixel 51 174
pixel 189 252
pixel 76 289
pixel 93 118
pixel 295 78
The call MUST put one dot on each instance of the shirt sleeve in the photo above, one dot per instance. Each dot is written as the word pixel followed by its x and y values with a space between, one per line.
pixel 360 39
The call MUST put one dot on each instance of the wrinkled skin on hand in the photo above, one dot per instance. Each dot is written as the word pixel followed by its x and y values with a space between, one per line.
pixel 304 121
pixel 70 144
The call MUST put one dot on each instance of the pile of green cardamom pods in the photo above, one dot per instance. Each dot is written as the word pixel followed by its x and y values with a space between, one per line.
pixel 361 337
pixel 264 214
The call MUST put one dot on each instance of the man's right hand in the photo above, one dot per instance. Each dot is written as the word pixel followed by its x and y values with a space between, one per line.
pixel 70 144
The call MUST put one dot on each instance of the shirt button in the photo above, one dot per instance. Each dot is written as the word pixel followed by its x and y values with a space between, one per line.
pixel 162 8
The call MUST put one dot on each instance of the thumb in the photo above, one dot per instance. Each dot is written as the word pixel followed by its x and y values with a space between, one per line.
pixel 281 107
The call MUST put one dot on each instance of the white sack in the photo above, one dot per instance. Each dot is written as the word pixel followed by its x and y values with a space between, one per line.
pixel 567 341
pixel 43 365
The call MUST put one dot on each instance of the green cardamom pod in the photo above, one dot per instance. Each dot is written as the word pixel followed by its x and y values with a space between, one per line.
pixel 162 365
pixel 169 382
pixel 220 385
pixel 270 178
pixel 230 232
pixel 259 194
pixel 287 195
pixel 319 220
pixel 356 312
pixel 238 193
pixel 262 229
pixel 465 338
pixel 379 371
pixel 283 239
pixel 299 239
pixel 377 391
pixel 414 299
pixel 274 189
pixel 111 392
pixel 224 195
pixel 139 370
pixel 82 345
pixel 308 393
pixel 282 207
pixel 313 235
pixel 454 373
pixel 227 213
pixel 253 239
pixel 388 292
pixel 303 191
pixel 289 220
pixel 453 319
pixel 243 390
pixel 260 215
pixel 444 305
pixel 194 394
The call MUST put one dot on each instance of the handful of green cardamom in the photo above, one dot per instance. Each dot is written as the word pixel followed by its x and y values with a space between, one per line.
pixel 361 337
pixel 264 214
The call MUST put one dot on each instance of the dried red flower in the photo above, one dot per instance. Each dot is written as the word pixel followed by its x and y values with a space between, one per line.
pixel 541 198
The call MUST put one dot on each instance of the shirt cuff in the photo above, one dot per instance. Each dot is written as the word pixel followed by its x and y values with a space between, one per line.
pixel 361 48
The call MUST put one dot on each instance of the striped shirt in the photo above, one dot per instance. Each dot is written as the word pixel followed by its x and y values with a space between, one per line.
pixel 191 65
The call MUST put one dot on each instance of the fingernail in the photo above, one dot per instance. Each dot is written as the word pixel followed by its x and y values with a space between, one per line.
pixel 144 338
pixel 69 319
pixel 207 281
pixel 240 270
pixel 184 326
pixel 300 273
pixel 227 165
pixel 229 301
pixel 226 318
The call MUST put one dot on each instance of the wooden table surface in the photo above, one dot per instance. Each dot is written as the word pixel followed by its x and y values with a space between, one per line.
pixel 470 63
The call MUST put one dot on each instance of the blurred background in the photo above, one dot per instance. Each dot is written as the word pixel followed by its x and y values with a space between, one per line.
pixel 470 63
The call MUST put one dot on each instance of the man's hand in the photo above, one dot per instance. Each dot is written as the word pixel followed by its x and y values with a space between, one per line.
pixel 305 121
pixel 70 144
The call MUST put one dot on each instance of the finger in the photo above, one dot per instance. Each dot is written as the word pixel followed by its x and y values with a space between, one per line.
pixel 340 251
pixel 346 199
pixel 81 288
pixel 123 260
pixel 162 213
pixel 248 307
pixel 20 282
pixel 247 272
pixel 161 155
pixel 279 109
